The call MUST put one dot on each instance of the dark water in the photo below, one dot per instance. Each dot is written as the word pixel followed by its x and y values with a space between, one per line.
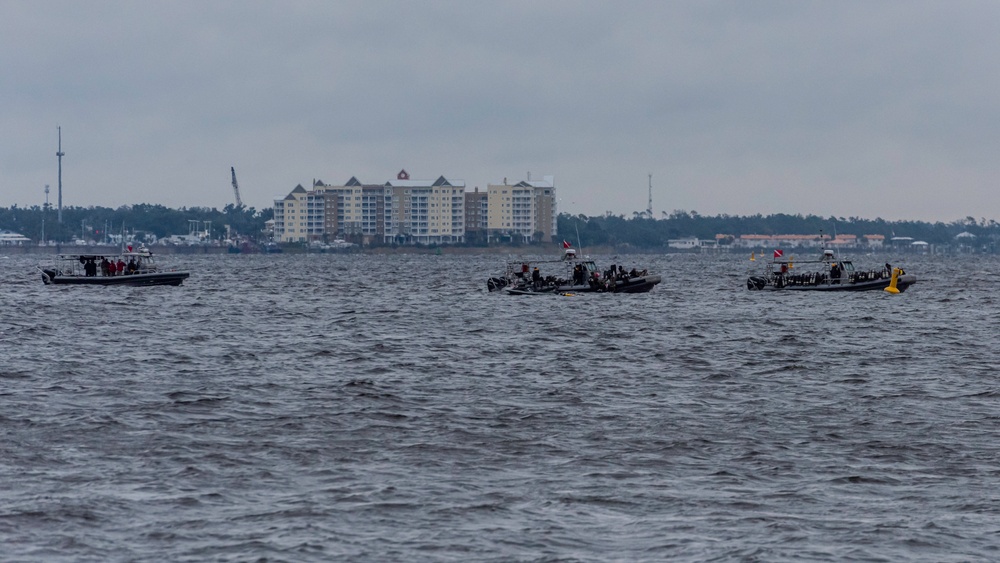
pixel 367 408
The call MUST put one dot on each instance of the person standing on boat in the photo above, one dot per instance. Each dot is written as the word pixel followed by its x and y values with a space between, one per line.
pixel 835 273
pixel 536 277
pixel 779 278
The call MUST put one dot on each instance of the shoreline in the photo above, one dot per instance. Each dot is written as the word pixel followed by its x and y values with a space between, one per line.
pixel 217 250
pixel 500 251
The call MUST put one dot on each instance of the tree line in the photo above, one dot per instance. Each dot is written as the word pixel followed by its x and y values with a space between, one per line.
pixel 639 231
pixel 96 223
pixel 643 232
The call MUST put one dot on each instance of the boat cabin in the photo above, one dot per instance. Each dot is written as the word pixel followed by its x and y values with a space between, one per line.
pixel 92 265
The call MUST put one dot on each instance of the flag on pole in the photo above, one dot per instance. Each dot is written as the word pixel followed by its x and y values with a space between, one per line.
pixel 778 253
pixel 566 244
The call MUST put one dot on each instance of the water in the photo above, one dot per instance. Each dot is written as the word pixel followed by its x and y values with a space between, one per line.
pixel 386 408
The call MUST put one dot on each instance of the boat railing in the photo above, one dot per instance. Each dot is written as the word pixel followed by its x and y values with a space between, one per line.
pixel 790 278
pixel 70 265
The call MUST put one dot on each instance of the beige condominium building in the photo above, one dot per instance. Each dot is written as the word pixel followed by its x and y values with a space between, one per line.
pixel 354 211
pixel 401 210
pixel 298 217
pixel 425 212
pixel 328 212
pixel 524 211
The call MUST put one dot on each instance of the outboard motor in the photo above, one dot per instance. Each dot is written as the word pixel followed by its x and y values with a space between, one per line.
pixel 494 284
pixel 756 283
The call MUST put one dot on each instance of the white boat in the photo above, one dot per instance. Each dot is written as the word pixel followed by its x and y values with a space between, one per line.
pixel 132 268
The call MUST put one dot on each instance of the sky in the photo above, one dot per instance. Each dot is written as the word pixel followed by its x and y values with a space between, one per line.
pixel 873 109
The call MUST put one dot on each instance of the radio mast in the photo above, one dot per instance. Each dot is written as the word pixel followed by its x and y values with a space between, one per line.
pixel 60 154
pixel 649 208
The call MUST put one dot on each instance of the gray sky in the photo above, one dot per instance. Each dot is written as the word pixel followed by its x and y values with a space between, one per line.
pixel 867 109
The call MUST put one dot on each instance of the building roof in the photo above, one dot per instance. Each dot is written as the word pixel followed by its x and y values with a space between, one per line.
pixel 778 237
pixel 440 182
pixel 546 183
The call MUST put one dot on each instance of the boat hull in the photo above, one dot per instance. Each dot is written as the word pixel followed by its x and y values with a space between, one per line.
pixel 51 277
pixel 633 285
pixel 904 281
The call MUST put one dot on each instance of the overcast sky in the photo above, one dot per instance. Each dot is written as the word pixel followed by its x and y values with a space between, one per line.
pixel 867 109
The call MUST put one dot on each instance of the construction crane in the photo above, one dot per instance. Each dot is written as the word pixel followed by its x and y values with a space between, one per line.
pixel 236 188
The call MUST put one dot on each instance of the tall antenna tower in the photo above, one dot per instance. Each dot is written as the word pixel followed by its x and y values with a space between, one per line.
pixel 60 154
pixel 649 208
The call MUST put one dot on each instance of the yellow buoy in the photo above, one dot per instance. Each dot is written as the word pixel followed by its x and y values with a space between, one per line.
pixel 892 283
pixel 751 257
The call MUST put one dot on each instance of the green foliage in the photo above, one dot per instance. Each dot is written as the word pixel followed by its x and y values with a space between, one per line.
pixel 91 222
pixel 644 232
pixel 639 231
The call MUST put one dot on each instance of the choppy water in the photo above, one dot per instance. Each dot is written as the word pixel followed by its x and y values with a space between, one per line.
pixel 373 408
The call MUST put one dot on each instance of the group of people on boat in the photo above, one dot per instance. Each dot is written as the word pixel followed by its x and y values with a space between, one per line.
pixel 618 273
pixel 615 273
pixel 109 267
pixel 782 278
pixel 572 275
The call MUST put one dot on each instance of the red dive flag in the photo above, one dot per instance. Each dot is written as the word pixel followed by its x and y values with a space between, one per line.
pixel 778 253
pixel 566 244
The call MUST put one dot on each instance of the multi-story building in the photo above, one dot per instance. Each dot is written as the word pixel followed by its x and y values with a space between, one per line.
pixel 425 212
pixel 401 210
pixel 524 211
pixel 354 211
pixel 476 216
pixel 298 217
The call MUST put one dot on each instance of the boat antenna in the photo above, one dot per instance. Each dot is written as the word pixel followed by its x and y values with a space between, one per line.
pixel 835 232
pixel 60 154
pixel 579 242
